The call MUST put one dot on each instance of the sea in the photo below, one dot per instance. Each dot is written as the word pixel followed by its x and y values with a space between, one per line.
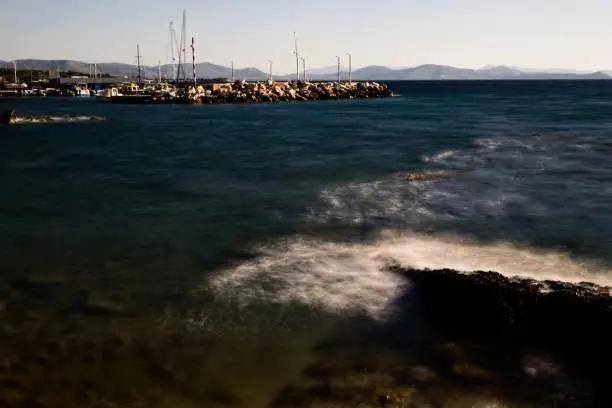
pixel 236 255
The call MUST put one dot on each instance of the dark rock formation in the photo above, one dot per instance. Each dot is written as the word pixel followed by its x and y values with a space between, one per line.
pixel 8 117
pixel 570 321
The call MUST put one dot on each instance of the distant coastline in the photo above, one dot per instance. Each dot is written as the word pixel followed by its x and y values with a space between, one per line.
pixel 369 73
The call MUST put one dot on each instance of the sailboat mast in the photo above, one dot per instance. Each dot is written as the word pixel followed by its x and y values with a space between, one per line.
pixel 183 49
pixel 193 60
pixel 138 62
pixel 297 58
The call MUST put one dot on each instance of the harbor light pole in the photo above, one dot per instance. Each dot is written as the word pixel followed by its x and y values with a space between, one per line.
pixel 338 62
pixel 350 67
pixel 232 71
pixel 270 77
pixel 304 67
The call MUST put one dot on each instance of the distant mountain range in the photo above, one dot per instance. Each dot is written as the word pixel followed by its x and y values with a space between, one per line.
pixel 372 72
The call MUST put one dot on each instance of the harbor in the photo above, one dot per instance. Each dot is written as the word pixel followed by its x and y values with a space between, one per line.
pixel 172 84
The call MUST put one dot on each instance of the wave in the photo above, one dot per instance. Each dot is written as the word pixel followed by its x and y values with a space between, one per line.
pixel 56 119
pixel 354 278
pixel 500 183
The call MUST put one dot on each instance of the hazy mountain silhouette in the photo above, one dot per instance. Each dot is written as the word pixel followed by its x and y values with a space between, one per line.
pixel 372 72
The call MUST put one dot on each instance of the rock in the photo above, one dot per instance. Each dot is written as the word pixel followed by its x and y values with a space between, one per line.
pixel 38 280
pixel 8 117
pixel 423 374
pixel 428 176
pixel 97 306
pixel 485 310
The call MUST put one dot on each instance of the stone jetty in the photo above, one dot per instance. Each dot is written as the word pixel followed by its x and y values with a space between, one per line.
pixel 261 92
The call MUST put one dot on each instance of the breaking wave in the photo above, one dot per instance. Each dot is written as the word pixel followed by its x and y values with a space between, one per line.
pixel 352 277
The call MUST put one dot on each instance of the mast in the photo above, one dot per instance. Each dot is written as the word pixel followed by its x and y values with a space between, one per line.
pixel 172 44
pixel 95 70
pixel 270 76
pixel 15 70
pixel 159 70
pixel 193 61
pixel 138 62
pixel 350 66
pixel 338 61
pixel 183 49
pixel 297 58
pixel 232 71
pixel 304 67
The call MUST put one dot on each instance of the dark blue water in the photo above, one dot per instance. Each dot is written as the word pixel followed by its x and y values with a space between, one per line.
pixel 276 219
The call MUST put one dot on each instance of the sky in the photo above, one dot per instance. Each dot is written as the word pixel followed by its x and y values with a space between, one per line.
pixel 462 33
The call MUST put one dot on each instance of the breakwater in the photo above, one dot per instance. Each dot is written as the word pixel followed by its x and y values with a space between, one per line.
pixel 261 92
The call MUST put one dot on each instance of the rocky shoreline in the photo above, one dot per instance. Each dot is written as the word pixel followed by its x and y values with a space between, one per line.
pixel 262 92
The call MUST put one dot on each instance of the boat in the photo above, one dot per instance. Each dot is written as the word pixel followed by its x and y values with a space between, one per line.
pixel 81 90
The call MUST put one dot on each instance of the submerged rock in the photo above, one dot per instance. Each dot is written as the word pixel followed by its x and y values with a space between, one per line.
pixel 97 306
pixel 429 176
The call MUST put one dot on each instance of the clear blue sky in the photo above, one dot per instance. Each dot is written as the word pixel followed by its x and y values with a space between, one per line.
pixel 464 33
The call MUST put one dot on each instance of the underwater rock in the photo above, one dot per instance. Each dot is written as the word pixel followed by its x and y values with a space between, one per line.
pixel 429 176
pixel 96 306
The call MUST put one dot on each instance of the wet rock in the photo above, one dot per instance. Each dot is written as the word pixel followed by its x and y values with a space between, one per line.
pixel 484 310
pixel 38 285
pixel 8 117
pixel 430 176
pixel 55 348
pixel 423 374
pixel 471 371
pixel 10 398
pixel 97 306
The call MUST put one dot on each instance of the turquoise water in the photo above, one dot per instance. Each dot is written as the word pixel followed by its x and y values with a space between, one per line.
pixel 200 255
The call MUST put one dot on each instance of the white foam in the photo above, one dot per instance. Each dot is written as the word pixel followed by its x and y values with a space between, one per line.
pixel 345 277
